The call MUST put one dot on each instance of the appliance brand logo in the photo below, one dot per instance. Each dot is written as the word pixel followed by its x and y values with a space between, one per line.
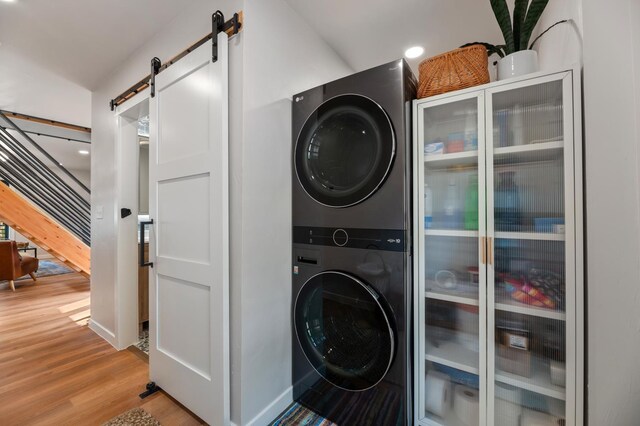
pixel 392 240
pixel 299 98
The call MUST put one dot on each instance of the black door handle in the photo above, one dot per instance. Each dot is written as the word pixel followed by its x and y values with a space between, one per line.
pixel 141 244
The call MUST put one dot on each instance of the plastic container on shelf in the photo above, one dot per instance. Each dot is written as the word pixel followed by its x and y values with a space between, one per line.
pixel 517 126
pixel 455 142
pixel 428 207
pixel 451 217
pixel 471 130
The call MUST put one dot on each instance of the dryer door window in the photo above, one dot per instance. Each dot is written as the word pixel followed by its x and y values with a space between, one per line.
pixel 344 331
pixel 344 151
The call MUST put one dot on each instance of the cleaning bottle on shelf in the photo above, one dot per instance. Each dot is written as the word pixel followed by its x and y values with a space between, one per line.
pixel 428 207
pixel 517 125
pixel 471 204
pixel 451 210
pixel 507 203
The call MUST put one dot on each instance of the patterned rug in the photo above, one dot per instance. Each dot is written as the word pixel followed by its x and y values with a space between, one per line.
pixel 379 406
pixel 143 342
pixel 297 415
pixel 135 417
pixel 48 268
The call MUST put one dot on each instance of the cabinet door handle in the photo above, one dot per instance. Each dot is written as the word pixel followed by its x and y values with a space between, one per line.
pixel 490 250
pixel 483 244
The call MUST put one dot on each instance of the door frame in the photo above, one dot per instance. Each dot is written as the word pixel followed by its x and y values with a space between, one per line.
pixel 127 169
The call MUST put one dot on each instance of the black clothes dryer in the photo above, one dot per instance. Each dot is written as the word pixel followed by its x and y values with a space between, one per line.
pixel 351 150
pixel 351 290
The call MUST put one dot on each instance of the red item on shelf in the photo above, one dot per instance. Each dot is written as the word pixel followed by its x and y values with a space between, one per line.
pixel 526 293
pixel 454 146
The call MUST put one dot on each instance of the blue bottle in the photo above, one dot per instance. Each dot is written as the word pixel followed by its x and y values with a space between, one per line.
pixel 507 204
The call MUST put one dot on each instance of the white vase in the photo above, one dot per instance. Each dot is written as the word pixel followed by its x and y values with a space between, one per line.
pixel 518 63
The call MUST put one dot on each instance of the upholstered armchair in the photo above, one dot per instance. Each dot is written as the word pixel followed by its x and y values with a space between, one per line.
pixel 13 266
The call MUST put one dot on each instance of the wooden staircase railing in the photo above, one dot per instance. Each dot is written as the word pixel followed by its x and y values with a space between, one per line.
pixel 43 231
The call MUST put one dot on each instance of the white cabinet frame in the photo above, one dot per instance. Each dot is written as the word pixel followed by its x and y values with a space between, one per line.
pixel 573 316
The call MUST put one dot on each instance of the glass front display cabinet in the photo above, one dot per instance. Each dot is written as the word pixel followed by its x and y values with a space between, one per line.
pixel 498 237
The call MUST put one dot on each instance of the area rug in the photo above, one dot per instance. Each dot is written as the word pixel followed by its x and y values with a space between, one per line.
pixel 48 268
pixel 135 417
pixel 298 415
pixel 143 342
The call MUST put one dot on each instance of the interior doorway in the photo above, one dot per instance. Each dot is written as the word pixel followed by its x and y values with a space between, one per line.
pixel 143 234
pixel 132 286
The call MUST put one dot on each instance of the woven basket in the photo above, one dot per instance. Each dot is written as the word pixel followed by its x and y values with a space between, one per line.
pixel 454 70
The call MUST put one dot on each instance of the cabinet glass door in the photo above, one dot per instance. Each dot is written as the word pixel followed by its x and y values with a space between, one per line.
pixel 451 293
pixel 529 172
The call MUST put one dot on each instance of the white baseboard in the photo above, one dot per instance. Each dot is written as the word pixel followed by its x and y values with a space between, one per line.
pixel 272 410
pixel 103 332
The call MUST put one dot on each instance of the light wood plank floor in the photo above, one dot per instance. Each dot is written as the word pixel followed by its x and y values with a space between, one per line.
pixel 55 371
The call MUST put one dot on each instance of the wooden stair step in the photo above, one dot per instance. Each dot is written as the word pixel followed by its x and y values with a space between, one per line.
pixel 43 231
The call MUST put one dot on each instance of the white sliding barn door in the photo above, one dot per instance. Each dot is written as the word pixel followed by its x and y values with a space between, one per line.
pixel 189 203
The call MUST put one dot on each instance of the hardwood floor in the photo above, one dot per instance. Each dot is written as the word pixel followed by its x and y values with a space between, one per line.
pixel 55 371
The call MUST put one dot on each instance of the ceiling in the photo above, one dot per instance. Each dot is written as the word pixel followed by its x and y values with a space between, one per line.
pixel 366 33
pixel 53 53
pixel 82 41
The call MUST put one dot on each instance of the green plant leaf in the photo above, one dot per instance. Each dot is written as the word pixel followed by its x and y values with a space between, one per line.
pixel 519 13
pixel 533 16
pixel 491 48
pixel 501 12
pixel 533 43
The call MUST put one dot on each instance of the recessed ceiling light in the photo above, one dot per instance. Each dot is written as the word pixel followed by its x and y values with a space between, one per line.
pixel 8 1
pixel 83 152
pixel 414 52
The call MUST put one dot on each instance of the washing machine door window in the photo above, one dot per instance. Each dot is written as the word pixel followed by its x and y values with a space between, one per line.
pixel 344 150
pixel 344 330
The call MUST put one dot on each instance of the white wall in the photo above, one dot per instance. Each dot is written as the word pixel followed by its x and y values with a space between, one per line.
pixel 561 47
pixel 612 132
pixel 28 88
pixel 282 56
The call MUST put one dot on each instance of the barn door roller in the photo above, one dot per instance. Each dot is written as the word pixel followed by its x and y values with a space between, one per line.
pixel 218 25
pixel 155 69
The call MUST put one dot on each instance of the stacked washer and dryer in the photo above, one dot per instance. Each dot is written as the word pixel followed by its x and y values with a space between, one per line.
pixel 351 288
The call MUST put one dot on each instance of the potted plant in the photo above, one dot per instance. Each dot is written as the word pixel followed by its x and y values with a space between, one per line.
pixel 517 56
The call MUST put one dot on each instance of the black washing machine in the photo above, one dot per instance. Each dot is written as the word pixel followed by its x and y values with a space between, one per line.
pixel 351 352
pixel 351 290
pixel 351 152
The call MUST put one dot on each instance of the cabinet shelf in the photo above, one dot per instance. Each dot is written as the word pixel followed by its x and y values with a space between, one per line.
pixel 530 153
pixel 539 382
pixel 450 419
pixel 464 158
pixel 451 353
pixel 539 236
pixel 508 305
pixel 452 296
pixel 451 233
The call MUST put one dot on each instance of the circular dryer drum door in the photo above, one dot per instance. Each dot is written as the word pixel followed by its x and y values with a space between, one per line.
pixel 344 150
pixel 344 331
